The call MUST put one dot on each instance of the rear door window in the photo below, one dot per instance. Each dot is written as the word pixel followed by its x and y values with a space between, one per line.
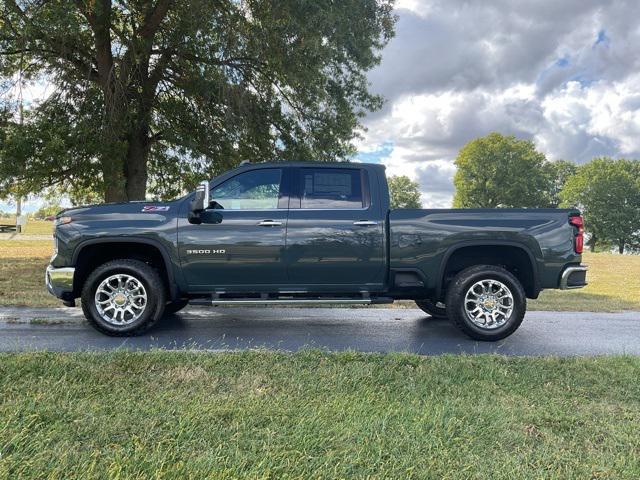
pixel 332 188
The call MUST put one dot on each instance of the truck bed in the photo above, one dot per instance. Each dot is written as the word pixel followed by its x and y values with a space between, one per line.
pixel 424 239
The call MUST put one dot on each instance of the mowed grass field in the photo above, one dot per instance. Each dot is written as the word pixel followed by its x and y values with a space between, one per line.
pixel 614 281
pixel 33 227
pixel 614 284
pixel 317 415
pixel 22 267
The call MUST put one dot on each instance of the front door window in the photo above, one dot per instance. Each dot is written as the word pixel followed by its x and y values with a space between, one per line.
pixel 254 190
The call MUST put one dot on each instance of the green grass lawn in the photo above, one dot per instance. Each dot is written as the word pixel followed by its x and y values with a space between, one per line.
pixel 614 284
pixel 22 266
pixel 614 281
pixel 33 227
pixel 317 415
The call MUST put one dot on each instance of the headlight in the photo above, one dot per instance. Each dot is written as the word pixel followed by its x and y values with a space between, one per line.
pixel 62 221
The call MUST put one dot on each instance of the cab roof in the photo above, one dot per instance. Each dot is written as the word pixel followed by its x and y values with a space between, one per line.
pixel 311 164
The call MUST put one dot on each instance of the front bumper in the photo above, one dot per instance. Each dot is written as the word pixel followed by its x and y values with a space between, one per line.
pixel 60 281
pixel 574 276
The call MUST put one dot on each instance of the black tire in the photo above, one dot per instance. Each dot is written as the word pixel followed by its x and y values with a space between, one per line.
pixel 431 308
pixel 146 275
pixel 458 289
pixel 173 307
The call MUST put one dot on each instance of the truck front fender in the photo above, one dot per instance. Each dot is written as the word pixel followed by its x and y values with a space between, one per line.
pixel 170 265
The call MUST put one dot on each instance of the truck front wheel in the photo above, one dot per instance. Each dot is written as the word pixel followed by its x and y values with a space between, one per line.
pixel 486 302
pixel 123 297
pixel 175 306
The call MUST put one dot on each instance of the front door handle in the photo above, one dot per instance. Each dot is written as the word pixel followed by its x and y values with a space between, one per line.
pixel 365 223
pixel 270 223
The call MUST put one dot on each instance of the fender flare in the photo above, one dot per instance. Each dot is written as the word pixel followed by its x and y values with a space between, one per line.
pixel 487 243
pixel 168 264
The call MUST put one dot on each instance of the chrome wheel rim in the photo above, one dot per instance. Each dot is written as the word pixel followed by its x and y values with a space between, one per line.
pixel 120 299
pixel 488 304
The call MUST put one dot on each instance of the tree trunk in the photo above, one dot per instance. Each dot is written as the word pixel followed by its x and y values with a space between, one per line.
pixel 621 247
pixel 135 166
pixel 114 182
pixel 592 243
pixel 114 193
pixel 124 169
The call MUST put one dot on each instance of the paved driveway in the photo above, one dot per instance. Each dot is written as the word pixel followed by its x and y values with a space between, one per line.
pixel 363 329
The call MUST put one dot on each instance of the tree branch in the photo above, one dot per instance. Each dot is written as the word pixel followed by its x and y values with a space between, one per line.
pixel 154 18
pixel 156 137
pixel 92 72
pixel 142 43
pixel 156 75
pixel 100 22
pixel 15 8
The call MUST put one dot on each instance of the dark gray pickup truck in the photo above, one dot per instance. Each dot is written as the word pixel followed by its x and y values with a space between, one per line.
pixel 284 233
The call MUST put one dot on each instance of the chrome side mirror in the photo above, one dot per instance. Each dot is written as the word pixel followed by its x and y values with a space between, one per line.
pixel 199 203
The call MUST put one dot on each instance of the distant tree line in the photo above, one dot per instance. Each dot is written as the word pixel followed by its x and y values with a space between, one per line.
pixel 498 171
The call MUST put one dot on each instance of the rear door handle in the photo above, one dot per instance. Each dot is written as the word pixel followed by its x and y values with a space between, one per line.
pixel 365 223
pixel 270 223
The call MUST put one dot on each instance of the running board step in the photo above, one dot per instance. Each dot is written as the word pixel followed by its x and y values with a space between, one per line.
pixel 290 301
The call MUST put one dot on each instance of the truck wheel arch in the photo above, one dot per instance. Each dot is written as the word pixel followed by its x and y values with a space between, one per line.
pixel 155 244
pixel 532 289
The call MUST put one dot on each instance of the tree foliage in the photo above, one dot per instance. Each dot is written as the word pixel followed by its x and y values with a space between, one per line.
pixel 404 192
pixel 500 171
pixel 47 211
pixel 607 192
pixel 558 173
pixel 155 95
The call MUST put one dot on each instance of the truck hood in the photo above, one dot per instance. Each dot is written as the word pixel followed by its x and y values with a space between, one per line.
pixel 120 211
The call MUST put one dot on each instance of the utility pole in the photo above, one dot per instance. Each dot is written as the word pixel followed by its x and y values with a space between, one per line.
pixel 18 214
pixel 20 122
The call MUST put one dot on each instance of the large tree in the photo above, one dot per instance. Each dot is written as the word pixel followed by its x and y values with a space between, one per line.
pixel 404 192
pixel 500 171
pixel 608 193
pixel 152 94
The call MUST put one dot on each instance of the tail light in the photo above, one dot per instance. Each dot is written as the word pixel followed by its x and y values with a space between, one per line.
pixel 578 222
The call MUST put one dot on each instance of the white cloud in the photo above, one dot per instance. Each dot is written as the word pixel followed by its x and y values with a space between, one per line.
pixel 560 73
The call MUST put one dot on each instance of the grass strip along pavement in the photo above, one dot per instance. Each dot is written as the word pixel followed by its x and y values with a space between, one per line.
pixel 317 415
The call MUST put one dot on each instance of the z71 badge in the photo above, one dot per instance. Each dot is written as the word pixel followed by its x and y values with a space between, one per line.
pixel 155 208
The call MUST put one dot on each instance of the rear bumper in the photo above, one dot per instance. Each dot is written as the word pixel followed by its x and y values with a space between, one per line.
pixel 59 281
pixel 574 276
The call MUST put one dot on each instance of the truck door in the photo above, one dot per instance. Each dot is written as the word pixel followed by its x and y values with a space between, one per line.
pixel 241 241
pixel 335 233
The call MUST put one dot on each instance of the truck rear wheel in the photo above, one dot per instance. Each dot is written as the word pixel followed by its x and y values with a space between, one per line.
pixel 123 297
pixel 486 302
pixel 432 308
